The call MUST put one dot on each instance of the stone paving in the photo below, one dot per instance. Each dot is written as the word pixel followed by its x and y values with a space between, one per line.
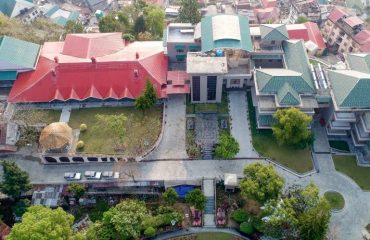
pixel 206 128
pixel 66 114
pixel 172 145
pixel 240 128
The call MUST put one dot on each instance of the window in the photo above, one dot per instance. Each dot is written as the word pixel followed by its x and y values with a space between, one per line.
pixel 235 82
pixel 196 88
pixel 179 50
pixel 169 82
pixel 273 42
pixel 180 58
pixel 345 44
pixel 350 49
pixel 211 87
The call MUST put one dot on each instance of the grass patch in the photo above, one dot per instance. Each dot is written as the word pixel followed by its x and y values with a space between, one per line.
pixel 335 199
pixel 214 236
pixel 220 108
pixel 340 145
pixel 35 116
pixel 348 166
pixel 142 131
pixel 368 227
pixel 265 144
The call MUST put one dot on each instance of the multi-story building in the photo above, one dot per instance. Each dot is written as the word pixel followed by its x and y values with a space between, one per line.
pixel 309 8
pixel 345 33
pixel 13 8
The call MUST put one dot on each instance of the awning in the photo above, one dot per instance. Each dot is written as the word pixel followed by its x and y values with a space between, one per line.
pixel 8 75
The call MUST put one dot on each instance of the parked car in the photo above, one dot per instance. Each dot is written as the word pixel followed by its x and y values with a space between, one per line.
pixel 92 175
pixel 72 176
pixel 110 175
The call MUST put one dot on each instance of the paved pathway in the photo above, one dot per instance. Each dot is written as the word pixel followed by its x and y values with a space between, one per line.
pixel 66 114
pixel 240 128
pixel 172 145
pixel 321 144
pixel 209 212
pixel 199 230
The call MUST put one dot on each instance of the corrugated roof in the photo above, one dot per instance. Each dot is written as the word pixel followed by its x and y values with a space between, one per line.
pixel 350 88
pixel 336 14
pixel 271 32
pixel 359 62
pixel 286 95
pixel 214 34
pixel 7 6
pixel 21 54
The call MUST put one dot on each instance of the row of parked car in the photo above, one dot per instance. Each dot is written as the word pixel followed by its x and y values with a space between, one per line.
pixel 91 175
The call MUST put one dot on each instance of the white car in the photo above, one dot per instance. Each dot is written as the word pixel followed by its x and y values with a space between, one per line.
pixel 110 175
pixel 92 175
pixel 72 176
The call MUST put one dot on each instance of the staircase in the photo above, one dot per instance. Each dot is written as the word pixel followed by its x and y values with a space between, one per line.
pixel 209 211
pixel 207 151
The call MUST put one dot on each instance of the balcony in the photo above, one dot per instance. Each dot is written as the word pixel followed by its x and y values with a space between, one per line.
pixel 357 142
pixel 365 121
pixel 335 125
pixel 345 116
pixel 332 132
pixel 361 134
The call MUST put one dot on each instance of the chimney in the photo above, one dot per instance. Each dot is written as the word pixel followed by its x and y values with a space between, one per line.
pixel 56 59
pixel 137 55
pixel 136 73
pixel 93 60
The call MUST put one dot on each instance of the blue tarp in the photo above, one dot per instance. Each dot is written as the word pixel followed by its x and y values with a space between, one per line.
pixel 182 190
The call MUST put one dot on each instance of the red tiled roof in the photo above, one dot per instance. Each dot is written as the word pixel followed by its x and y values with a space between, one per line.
pixel 178 85
pixel 336 14
pixel 298 31
pixel 353 21
pixel 269 3
pixel 118 75
pixel 363 38
pixel 266 14
pixel 315 34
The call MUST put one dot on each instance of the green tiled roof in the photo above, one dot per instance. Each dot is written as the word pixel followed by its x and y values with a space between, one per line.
pixel 265 120
pixel 296 59
pixel 61 21
pixel 8 75
pixel 21 54
pixel 359 62
pixel 286 95
pixel 7 6
pixel 52 11
pixel 274 32
pixel 208 42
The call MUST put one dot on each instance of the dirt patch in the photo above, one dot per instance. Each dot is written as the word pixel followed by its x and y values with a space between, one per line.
pixel 184 208
pixel 253 207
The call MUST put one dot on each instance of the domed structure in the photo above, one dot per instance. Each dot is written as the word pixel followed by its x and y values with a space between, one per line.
pixel 56 137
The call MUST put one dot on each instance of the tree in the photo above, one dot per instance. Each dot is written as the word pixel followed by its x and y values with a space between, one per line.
pixel 314 223
pixel 43 223
pixel 15 180
pixel 302 19
pixel 261 183
pixel 139 26
pixel 145 36
pixel 77 189
pixel 196 198
pixel 188 12
pixel 124 221
pixel 114 22
pixel 114 125
pixel 154 20
pixel 21 207
pixel 74 27
pixel 228 147
pixel 128 37
pixel 291 127
pixel 170 196
pixel 148 97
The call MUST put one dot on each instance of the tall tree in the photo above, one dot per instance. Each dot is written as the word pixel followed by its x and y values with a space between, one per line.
pixel 261 183
pixel 124 221
pixel 154 20
pixel 139 26
pixel 228 147
pixel 114 125
pixel 77 189
pixel 196 198
pixel 148 97
pixel 170 196
pixel 302 19
pixel 43 223
pixel 74 27
pixel 189 12
pixel 115 22
pixel 15 180
pixel 291 127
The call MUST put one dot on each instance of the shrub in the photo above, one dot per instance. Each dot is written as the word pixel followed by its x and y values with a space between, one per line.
pixel 228 146
pixel 80 144
pixel 246 228
pixel 257 223
pixel 83 127
pixel 196 198
pixel 150 232
pixel 170 196
pixel 239 216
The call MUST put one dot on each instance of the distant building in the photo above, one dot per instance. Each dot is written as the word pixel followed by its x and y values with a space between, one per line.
pixel 13 8
pixel 58 15
pixel 308 8
pixel 345 33
pixel 49 196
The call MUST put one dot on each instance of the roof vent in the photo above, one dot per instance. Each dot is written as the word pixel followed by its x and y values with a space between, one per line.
pixel 137 55
pixel 136 73
pixel 56 59
pixel 93 60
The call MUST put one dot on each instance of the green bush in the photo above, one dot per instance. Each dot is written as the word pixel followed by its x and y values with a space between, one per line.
pixel 150 232
pixel 228 147
pixel 257 223
pixel 98 210
pixel 83 127
pixel 240 216
pixel 164 218
pixel 170 196
pixel 80 144
pixel 246 228
pixel 196 198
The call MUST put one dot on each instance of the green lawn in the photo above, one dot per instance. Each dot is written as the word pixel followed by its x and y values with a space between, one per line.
pixel 46 116
pixel 214 236
pixel 335 199
pixel 141 130
pixel 220 108
pixel 340 145
pixel 348 166
pixel 265 144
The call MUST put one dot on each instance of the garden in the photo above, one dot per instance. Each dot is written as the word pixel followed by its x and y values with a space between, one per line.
pixel 140 129
pixel 335 200
pixel 347 165
pixel 297 159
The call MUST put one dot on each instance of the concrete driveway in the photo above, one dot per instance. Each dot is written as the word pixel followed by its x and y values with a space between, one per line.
pixel 172 145
pixel 240 129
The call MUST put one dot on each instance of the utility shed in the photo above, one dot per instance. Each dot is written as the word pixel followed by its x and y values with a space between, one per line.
pixel 230 181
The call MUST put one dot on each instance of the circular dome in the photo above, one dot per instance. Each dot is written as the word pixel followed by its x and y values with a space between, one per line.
pixel 56 135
